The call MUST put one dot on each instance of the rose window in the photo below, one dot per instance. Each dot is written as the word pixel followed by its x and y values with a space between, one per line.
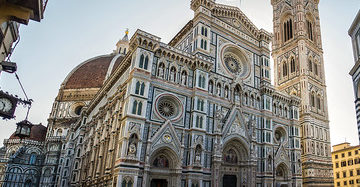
pixel 168 106
pixel 235 61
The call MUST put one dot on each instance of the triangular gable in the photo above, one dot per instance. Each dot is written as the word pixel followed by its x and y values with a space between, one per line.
pixel 282 156
pixel 166 137
pixel 235 125
pixel 229 13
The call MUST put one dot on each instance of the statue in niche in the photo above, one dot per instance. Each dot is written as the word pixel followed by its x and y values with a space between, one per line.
pixel 173 74
pixel 183 78
pixel 132 149
pixel 197 155
pixel 161 70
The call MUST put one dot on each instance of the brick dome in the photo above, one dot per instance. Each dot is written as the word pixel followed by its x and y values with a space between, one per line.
pixel 92 73
pixel 37 133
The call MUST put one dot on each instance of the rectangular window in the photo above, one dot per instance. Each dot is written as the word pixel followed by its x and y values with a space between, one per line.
pixel 337 175
pixel 351 173
pixel 337 164
pixel 344 174
pixel 336 156
pixel 349 153
pixel 268 123
pixel 342 155
pixel 343 163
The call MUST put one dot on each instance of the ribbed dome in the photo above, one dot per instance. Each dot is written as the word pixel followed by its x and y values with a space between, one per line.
pixel 37 133
pixel 92 73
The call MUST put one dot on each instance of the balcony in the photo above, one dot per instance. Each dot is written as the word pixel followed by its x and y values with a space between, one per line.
pixel 22 10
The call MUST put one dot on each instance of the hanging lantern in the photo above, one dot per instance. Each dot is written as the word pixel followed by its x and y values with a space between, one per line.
pixel 23 129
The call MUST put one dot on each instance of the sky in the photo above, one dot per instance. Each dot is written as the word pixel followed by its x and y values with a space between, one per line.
pixel 74 31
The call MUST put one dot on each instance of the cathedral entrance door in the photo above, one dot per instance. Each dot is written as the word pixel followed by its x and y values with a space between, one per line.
pixel 159 183
pixel 229 181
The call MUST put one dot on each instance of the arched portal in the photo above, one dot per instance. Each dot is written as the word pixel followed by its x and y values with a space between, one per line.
pixel 281 175
pixel 235 167
pixel 165 168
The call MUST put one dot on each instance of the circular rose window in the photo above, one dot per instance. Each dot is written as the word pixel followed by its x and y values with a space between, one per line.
pixel 235 61
pixel 168 106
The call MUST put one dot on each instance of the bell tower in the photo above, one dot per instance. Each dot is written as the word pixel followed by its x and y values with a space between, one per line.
pixel 299 70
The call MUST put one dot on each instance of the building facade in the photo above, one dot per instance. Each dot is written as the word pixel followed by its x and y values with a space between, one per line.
pixel 354 33
pixel 299 70
pixel 22 159
pixel 199 111
pixel 346 164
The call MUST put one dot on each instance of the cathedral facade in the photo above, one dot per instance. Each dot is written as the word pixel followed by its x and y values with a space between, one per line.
pixel 199 111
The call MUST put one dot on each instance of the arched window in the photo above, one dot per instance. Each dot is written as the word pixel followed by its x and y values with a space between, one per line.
pixel 146 62
pixel 312 100
pixel 202 31
pixel 173 74
pixel 142 88
pixel 202 44
pixel 141 63
pixel 139 108
pixel 135 103
pixel 310 64
pixel 287 30
pixel 246 99
pixel 285 69
pixel 137 87
pixel 292 65
pixel 318 102
pixel 252 100
pixel 201 82
pixel 205 45
pixel 206 32
pixel 161 70
pixel 184 78
pixel 32 159
pixel 310 29
pixel 316 69
pixel 199 122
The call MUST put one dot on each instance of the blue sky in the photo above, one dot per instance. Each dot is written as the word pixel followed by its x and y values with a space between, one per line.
pixel 74 31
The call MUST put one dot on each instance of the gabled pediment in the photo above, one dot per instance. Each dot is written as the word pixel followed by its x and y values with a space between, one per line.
pixel 166 137
pixel 236 125
pixel 235 17
pixel 281 156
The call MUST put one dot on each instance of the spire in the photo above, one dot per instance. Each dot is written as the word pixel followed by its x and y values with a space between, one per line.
pixel 123 44
pixel 126 38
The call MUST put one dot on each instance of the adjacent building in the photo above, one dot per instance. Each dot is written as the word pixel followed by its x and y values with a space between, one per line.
pixel 346 164
pixel 21 159
pixel 354 33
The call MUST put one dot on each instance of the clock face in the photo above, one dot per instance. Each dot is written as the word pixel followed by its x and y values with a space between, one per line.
pixel 5 105
pixel 232 64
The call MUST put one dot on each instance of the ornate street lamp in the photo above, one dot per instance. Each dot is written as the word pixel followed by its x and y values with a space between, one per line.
pixel 23 129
